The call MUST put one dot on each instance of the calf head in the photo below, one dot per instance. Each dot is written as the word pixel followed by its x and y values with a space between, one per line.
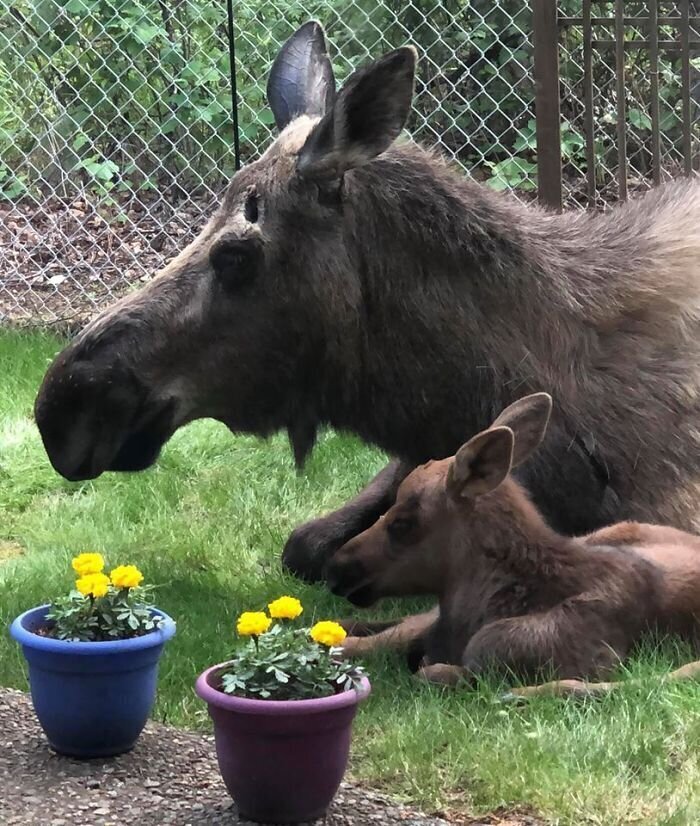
pixel 443 509
pixel 237 326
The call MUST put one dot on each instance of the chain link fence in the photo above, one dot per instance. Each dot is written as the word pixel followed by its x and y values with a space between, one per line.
pixel 116 131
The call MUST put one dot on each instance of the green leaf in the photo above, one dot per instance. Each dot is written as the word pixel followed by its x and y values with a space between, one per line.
pixel 80 141
pixel 639 119
pixel 146 32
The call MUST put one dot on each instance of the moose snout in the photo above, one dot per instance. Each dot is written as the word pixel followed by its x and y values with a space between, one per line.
pixel 348 575
pixel 82 410
pixel 343 576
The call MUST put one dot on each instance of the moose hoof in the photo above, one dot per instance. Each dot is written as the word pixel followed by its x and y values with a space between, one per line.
pixel 441 674
pixel 354 647
pixel 306 553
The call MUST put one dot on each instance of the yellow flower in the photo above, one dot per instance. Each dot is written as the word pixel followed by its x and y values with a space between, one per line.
pixel 88 564
pixel 126 576
pixel 285 608
pixel 253 623
pixel 94 585
pixel 328 633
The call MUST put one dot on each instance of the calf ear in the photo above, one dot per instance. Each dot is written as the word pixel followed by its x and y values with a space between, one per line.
pixel 301 79
pixel 528 419
pixel 481 464
pixel 368 115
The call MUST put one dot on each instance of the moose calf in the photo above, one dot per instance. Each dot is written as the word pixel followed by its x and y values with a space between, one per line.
pixel 513 593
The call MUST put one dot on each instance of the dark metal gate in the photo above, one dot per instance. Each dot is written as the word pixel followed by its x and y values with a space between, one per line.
pixel 614 33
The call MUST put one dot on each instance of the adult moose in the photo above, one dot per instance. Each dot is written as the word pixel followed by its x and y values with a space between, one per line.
pixel 353 280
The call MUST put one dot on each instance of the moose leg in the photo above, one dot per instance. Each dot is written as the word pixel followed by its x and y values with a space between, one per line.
pixel 400 637
pixel 312 544
pixel 571 643
pixel 582 688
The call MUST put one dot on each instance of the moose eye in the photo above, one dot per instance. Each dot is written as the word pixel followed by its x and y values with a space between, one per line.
pixel 330 194
pixel 250 208
pixel 234 261
pixel 400 527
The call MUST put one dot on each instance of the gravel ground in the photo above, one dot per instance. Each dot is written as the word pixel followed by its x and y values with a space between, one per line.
pixel 170 779
pixel 62 260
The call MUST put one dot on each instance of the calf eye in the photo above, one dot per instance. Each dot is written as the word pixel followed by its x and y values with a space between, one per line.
pixel 400 527
pixel 234 262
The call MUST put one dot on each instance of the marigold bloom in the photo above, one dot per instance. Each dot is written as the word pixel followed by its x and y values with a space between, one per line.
pixel 85 564
pixel 328 633
pixel 126 576
pixel 285 608
pixel 253 623
pixel 93 585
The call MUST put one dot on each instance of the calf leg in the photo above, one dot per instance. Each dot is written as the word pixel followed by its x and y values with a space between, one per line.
pixel 558 640
pixel 359 628
pixel 561 688
pixel 400 637
pixel 443 674
pixel 582 688
pixel 571 642
pixel 313 543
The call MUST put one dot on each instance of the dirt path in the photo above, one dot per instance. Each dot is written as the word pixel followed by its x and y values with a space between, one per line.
pixel 170 779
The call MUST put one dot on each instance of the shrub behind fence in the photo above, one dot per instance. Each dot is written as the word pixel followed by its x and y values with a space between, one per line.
pixel 116 131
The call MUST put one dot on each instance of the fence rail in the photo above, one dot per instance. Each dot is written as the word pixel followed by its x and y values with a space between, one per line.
pixel 117 131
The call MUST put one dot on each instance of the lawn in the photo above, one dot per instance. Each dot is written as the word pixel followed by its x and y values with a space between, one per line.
pixel 208 524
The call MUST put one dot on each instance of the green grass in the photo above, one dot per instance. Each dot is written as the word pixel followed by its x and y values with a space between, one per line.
pixel 208 524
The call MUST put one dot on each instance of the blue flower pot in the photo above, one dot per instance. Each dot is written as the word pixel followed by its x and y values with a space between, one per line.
pixel 92 698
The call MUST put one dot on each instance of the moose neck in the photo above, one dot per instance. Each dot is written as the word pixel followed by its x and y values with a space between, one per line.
pixel 438 259
pixel 508 541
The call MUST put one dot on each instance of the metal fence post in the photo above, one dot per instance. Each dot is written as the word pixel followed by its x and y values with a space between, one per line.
pixel 546 68
pixel 234 90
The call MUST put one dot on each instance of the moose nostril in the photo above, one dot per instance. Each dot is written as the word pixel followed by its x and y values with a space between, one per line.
pixel 343 577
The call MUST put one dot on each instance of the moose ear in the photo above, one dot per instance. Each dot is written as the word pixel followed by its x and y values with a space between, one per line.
pixel 368 115
pixel 301 80
pixel 528 419
pixel 481 464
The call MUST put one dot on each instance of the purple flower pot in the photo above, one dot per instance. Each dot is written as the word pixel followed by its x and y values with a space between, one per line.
pixel 281 760
pixel 92 698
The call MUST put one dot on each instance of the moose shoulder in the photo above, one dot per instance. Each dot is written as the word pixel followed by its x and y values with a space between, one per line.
pixel 354 280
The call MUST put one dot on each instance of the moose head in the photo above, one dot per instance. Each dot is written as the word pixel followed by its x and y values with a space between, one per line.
pixel 245 321
pixel 447 514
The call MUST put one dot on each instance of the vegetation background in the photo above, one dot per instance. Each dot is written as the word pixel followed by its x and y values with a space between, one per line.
pixel 135 94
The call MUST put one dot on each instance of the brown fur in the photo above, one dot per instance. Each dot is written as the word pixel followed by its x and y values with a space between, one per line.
pixel 354 281
pixel 513 593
